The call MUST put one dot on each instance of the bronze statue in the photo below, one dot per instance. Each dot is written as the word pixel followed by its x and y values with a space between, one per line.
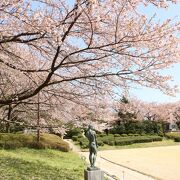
pixel 91 135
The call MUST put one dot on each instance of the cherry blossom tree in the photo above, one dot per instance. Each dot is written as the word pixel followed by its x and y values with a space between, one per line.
pixel 148 110
pixel 75 52
pixel 83 48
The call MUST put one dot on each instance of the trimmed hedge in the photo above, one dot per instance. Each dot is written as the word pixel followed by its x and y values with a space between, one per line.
pixel 172 135
pixel 177 139
pixel 12 141
pixel 112 140
pixel 124 135
pixel 117 135
pixel 141 139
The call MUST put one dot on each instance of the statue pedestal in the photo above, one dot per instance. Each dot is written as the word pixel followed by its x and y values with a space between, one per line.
pixel 93 174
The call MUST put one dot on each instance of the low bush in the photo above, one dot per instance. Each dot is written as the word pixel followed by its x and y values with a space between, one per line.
pixel 124 135
pixel 156 138
pixel 143 134
pixel 54 142
pixel 136 139
pixel 172 135
pixel 80 136
pixel 123 142
pixel 83 143
pixel 75 138
pixel 177 139
pixel 101 135
pixel 100 143
pixel 12 141
pixel 37 145
pixel 73 131
pixel 111 143
pixel 117 135
pixel 118 140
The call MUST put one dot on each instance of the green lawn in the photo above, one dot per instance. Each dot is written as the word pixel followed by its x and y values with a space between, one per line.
pixel 28 164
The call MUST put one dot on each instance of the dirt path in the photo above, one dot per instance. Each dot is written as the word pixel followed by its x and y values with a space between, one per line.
pixel 116 170
pixel 160 162
pixel 112 169
pixel 137 164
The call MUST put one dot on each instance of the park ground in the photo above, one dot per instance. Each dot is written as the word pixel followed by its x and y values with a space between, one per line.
pixel 141 163
pixel 133 162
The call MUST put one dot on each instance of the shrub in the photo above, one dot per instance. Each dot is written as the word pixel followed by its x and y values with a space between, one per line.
pixel 124 135
pixel 116 139
pixel 143 140
pixel 136 139
pixel 100 143
pixel 11 141
pixel 80 136
pixel 156 138
pixel 73 132
pixel 83 143
pixel 172 135
pixel 11 145
pixel 177 139
pixel 123 142
pixel 102 135
pixel 111 143
pixel 105 141
pixel 108 141
pixel 37 145
pixel 175 136
pixel 75 138
pixel 117 135
pixel 54 142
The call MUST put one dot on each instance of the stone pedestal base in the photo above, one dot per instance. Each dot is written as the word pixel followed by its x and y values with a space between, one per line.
pixel 93 175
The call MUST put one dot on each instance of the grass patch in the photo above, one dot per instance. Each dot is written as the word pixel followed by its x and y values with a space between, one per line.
pixel 164 142
pixel 12 141
pixel 43 164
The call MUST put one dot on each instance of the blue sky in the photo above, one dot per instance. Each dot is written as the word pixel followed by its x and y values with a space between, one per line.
pixel 153 95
